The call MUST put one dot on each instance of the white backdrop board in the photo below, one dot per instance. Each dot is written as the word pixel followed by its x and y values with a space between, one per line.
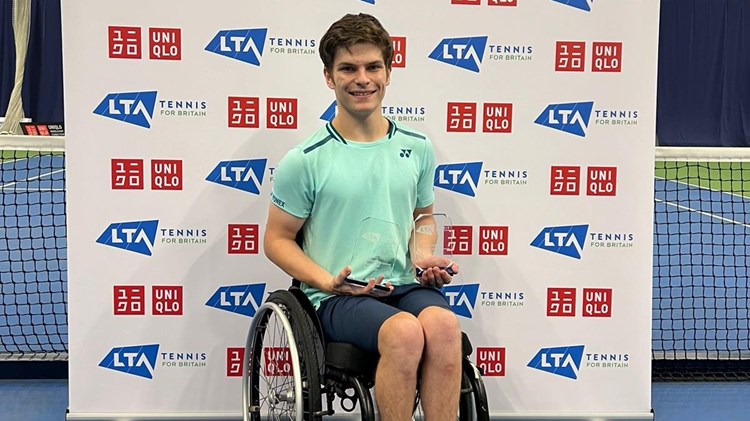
pixel 542 114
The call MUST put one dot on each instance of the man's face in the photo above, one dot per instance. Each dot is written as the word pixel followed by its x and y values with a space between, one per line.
pixel 359 77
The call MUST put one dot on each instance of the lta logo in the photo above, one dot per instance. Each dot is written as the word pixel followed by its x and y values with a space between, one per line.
pixel 466 53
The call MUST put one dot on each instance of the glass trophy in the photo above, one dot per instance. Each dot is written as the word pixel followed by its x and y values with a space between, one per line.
pixel 376 250
pixel 432 235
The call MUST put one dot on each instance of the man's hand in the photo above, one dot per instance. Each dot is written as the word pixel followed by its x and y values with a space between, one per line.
pixel 434 271
pixel 341 287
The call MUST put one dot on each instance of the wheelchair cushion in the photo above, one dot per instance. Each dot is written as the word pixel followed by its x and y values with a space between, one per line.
pixel 350 359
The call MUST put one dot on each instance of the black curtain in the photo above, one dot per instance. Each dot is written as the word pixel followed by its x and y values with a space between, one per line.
pixel 703 94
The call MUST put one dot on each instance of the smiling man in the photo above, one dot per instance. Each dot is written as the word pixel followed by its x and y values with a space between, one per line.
pixel 355 169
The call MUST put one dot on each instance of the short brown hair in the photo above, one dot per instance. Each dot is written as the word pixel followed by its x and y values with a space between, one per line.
pixel 351 30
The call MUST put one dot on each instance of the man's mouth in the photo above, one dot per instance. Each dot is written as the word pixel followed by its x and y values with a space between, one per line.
pixel 360 93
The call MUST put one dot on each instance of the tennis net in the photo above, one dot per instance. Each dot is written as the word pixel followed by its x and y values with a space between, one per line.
pixel 701 262
pixel 33 262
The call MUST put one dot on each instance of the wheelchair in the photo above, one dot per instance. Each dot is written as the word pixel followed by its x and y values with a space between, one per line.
pixel 289 367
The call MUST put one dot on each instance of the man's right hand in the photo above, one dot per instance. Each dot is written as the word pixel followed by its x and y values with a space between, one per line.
pixel 341 287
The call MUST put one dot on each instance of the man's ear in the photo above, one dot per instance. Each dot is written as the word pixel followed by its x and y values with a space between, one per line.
pixel 387 76
pixel 328 77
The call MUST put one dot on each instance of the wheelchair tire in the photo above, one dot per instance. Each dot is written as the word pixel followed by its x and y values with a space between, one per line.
pixel 281 379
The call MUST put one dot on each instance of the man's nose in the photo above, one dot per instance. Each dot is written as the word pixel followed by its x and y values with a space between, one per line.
pixel 361 77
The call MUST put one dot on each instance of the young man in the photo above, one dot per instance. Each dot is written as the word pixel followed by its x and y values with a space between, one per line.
pixel 351 170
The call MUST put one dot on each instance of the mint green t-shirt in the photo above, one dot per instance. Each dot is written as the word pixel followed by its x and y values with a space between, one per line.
pixel 358 200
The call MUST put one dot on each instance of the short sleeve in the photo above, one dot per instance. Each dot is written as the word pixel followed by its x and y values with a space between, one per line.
pixel 292 185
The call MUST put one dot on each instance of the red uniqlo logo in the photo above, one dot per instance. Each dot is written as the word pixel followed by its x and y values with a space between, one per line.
pixel 235 359
pixel 164 44
pixel 242 239
pixel 244 112
pixel 127 174
pixel 281 113
pixel 469 2
pixel 399 52
pixel 502 3
pixel 463 237
pixel 278 362
pixel 561 302
pixel 43 130
pixel 129 300
pixel 570 56
pixel 491 361
pixel 124 42
pixel 597 302
pixel 462 117
pixel 607 57
pixel 498 118
pixel 166 300
pixel 602 181
pixel 493 241
pixel 166 174
pixel 565 181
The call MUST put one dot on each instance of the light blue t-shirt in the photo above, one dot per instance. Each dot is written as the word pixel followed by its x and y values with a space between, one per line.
pixel 358 199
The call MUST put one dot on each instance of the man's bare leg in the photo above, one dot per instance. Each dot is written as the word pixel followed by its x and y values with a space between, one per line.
pixel 400 343
pixel 440 385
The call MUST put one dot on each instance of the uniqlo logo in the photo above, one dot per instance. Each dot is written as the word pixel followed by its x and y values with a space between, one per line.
pixel 462 116
pixel 281 113
pixel 491 361
pixel 561 302
pixel 467 2
pixel 127 174
pixel 498 118
pixel 607 57
pixel 124 42
pixel 570 56
pixel 244 112
pixel 399 52
pixel 43 131
pixel 243 239
pixel 166 174
pixel 602 181
pixel 502 3
pixel 277 362
pixel 493 241
pixel 129 300
pixel 565 181
pixel 31 131
pixel 462 236
pixel 166 300
pixel 165 44
pixel 235 360
pixel 597 302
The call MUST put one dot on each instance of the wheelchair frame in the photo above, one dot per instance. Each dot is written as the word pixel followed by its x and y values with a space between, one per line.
pixel 330 368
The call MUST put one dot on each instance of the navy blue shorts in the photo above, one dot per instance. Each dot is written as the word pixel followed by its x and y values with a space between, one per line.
pixel 357 319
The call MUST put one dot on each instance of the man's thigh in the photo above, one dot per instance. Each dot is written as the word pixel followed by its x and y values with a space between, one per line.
pixel 357 320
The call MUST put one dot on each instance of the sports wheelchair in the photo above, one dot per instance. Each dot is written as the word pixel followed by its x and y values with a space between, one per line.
pixel 288 367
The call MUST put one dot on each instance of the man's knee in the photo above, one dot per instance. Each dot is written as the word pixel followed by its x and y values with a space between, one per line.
pixel 401 335
pixel 440 326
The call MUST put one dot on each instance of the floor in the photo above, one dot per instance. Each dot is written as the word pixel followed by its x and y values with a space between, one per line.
pixel 46 400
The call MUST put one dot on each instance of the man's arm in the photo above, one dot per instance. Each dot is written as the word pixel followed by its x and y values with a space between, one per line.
pixel 281 248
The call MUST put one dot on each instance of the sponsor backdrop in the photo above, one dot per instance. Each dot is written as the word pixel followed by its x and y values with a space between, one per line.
pixel 542 116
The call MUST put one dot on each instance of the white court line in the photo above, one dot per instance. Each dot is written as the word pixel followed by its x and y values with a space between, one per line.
pixel 3 186
pixel 696 186
pixel 711 215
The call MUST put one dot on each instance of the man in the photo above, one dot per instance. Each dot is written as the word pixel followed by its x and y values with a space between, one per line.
pixel 352 169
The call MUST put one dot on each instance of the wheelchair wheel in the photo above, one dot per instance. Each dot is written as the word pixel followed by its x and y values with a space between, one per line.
pixel 281 369
pixel 472 403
